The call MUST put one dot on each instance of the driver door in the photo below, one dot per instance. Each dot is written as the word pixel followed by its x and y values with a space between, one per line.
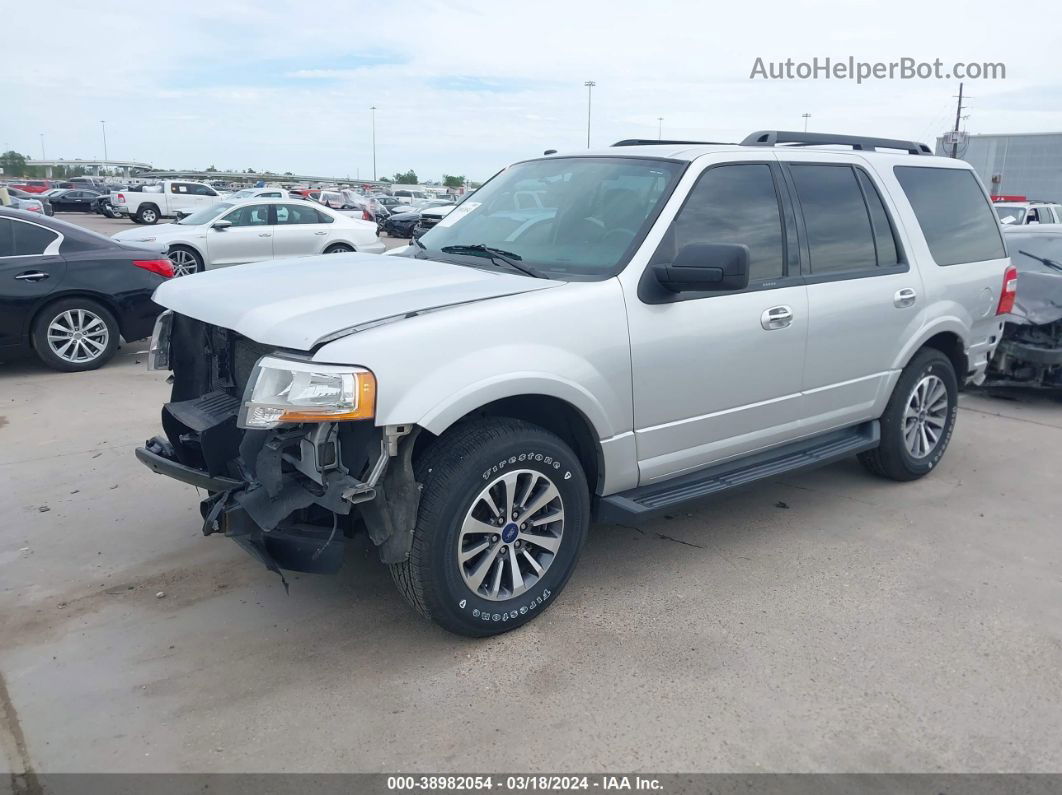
pixel 249 239
pixel 718 374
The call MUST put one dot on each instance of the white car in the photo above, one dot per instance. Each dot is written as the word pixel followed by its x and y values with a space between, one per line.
pixel 255 230
pixel 258 193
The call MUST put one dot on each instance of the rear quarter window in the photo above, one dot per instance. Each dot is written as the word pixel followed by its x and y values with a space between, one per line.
pixel 956 217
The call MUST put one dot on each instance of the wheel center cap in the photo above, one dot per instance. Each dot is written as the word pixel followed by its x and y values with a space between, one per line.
pixel 510 532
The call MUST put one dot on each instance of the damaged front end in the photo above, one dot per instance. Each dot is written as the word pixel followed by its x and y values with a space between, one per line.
pixel 291 494
pixel 1030 351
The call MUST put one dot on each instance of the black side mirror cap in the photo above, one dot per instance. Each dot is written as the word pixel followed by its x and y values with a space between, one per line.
pixel 705 267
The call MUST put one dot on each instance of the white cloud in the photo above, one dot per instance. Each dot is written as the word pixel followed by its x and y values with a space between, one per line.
pixel 288 86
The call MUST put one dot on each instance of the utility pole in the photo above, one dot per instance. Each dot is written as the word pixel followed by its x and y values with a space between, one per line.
pixel 589 91
pixel 659 128
pixel 43 156
pixel 958 119
pixel 805 116
pixel 373 109
pixel 103 124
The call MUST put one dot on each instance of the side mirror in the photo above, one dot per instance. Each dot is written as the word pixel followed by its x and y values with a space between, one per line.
pixel 703 267
pixel 221 226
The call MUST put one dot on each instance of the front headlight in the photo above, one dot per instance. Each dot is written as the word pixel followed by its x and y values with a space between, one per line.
pixel 286 391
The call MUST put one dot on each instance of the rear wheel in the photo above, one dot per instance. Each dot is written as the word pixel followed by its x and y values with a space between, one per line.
pixel 338 248
pixel 147 215
pixel 503 516
pixel 918 420
pixel 186 261
pixel 75 334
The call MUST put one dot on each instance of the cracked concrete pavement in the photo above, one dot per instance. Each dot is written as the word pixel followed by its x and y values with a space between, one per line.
pixel 828 621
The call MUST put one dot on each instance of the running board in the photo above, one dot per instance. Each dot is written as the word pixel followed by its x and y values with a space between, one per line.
pixel 644 501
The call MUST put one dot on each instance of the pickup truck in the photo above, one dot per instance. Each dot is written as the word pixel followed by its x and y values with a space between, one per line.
pixel 669 321
pixel 163 200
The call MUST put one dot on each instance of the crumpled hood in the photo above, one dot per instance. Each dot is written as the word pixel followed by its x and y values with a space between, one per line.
pixel 295 303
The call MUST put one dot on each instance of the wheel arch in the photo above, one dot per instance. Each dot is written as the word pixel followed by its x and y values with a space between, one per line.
pixel 52 298
pixel 550 412
pixel 192 246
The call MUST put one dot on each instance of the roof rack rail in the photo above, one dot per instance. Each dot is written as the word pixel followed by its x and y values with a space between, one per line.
pixel 859 142
pixel 657 141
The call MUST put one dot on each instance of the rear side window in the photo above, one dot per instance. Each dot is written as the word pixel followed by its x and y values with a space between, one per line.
pixel 732 204
pixel 957 220
pixel 884 234
pixel 296 214
pixel 30 239
pixel 7 240
pixel 840 235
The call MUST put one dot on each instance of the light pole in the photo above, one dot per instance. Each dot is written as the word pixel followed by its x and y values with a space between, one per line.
pixel 805 116
pixel 43 156
pixel 659 128
pixel 589 92
pixel 103 125
pixel 373 109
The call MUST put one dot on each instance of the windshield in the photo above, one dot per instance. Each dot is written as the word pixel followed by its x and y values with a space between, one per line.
pixel 565 216
pixel 206 214
pixel 1010 215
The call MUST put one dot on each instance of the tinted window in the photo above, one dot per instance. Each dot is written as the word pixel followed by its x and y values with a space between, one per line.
pixel 201 190
pixel 251 215
pixel 838 227
pixel 732 204
pixel 7 243
pixel 956 218
pixel 884 234
pixel 296 214
pixel 31 239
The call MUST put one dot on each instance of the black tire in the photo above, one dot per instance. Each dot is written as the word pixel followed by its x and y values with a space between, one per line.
pixel 147 214
pixel 107 211
pixel 453 474
pixel 339 248
pixel 57 310
pixel 892 459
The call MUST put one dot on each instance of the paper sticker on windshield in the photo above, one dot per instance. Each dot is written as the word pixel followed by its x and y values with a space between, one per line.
pixel 458 213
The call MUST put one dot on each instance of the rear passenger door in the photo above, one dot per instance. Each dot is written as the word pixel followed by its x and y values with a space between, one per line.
pixel 301 230
pixel 864 299
pixel 718 374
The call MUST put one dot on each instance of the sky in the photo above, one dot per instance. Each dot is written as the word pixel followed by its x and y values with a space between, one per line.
pixel 465 86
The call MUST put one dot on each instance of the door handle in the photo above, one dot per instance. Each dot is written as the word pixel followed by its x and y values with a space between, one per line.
pixel 32 276
pixel 320 233
pixel 904 297
pixel 265 234
pixel 776 317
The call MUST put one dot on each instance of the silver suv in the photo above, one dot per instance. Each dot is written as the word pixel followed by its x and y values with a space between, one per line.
pixel 664 321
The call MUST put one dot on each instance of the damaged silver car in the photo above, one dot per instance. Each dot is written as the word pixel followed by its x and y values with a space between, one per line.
pixel 1030 352
pixel 600 336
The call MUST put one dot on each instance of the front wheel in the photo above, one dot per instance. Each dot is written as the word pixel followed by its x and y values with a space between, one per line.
pixel 186 261
pixel 504 513
pixel 918 420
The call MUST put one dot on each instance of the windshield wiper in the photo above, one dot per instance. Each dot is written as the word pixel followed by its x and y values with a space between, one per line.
pixel 1048 262
pixel 494 255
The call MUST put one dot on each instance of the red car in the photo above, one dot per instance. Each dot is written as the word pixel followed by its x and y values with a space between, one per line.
pixel 35 186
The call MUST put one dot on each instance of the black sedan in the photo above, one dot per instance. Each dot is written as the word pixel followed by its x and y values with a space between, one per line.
pixel 400 224
pixel 68 294
pixel 74 201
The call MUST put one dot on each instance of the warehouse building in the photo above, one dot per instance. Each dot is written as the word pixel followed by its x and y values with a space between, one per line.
pixel 1023 164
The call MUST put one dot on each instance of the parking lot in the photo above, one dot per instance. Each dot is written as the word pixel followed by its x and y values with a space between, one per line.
pixel 829 621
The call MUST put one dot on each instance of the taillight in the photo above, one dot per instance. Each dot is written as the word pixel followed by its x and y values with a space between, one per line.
pixel 163 267
pixel 1010 291
pixel 366 215
pixel 121 198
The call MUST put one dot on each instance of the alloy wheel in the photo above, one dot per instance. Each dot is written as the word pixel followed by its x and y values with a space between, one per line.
pixel 184 262
pixel 78 336
pixel 925 417
pixel 510 535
